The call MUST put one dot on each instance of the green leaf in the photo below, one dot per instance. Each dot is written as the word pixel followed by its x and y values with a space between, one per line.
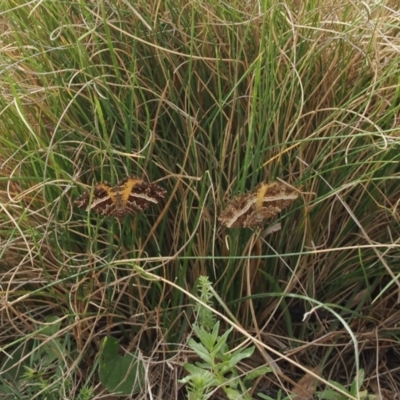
pixel 233 394
pixel 120 374
pixel 331 394
pixel 220 346
pixel 215 332
pixel 264 396
pixel 52 350
pixel 194 369
pixel 201 351
pixel 199 377
pixel 13 370
pixel 255 373
pixel 357 382
pixel 327 395
pixel 52 329
pixel 241 354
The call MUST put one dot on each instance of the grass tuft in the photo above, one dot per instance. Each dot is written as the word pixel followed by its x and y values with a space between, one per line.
pixel 208 99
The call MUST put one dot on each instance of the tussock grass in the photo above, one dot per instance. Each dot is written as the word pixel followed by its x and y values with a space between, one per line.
pixel 208 99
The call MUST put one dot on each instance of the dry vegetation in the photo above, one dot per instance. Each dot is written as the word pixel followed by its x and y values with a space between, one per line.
pixel 208 99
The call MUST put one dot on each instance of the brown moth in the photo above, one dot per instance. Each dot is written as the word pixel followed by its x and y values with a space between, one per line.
pixel 250 210
pixel 128 197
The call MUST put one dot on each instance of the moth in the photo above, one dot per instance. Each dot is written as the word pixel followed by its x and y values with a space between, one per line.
pixel 127 197
pixel 250 210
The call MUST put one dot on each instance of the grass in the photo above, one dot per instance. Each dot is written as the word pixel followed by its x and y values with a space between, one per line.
pixel 207 99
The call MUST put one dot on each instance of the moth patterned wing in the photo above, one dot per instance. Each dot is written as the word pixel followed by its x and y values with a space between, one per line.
pixel 272 198
pixel 144 195
pixel 235 213
pixel 104 200
pixel 128 197
pixel 278 196
pixel 257 217
pixel 83 200
pixel 252 209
